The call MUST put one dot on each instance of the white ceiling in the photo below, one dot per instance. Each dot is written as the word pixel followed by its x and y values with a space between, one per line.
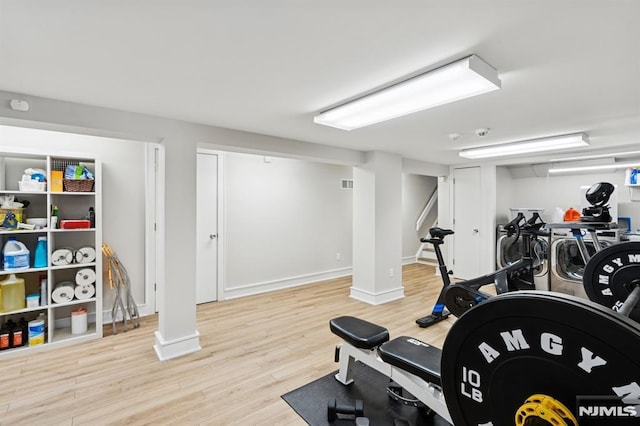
pixel 267 66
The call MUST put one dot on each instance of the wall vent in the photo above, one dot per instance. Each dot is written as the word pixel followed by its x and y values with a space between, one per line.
pixel 346 183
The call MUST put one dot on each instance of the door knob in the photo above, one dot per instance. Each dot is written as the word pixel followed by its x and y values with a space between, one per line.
pixel 213 236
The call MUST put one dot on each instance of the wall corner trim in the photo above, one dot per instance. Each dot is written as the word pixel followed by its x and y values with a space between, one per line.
pixel 377 299
pixel 169 349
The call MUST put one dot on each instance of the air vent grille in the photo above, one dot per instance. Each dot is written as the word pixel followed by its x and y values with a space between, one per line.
pixel 346 183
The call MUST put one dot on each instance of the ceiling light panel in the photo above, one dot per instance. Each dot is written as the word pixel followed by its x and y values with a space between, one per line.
pixel 552 143
pixel 468 77
pixel 590 157
pixel 593 168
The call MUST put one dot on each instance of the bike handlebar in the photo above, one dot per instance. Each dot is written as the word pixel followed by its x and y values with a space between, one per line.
pixel 514 225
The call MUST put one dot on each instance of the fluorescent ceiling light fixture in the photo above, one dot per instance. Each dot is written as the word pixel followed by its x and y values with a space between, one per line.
pixel 594 156
pixel 591 168
pixel 467 77
pixel 552 143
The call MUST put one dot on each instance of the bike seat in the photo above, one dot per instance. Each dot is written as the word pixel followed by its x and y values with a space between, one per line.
pixel 440 232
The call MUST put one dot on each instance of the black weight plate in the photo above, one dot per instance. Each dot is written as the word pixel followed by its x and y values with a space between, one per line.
pixel 609 275
pixel 523 343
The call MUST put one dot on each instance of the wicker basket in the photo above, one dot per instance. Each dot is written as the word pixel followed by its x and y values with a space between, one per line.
pixel 77 185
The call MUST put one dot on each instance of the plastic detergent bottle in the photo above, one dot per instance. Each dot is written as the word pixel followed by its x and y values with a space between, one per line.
pixel 40 257
pixel 16 255
pixel 13 297
pixel 571 215
pixel 4 337
pixel 15 334
pixel 24 333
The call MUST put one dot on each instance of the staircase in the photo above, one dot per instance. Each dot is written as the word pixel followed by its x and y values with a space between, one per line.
pixel 425 254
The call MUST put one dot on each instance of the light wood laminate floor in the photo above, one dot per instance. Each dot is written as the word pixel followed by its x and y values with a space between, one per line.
pixel 254 349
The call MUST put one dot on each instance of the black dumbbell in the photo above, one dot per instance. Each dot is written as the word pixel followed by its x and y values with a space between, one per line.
pixel 333 409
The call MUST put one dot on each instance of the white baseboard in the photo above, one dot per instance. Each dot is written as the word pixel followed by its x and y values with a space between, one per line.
pixel 378 298
pixel 253 289
pixel 267 286
pixel 169 349
pixel 144 310
pixel 408 260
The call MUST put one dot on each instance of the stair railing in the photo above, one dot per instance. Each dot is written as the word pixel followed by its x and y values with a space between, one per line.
pixel 427 209
pixel 423 216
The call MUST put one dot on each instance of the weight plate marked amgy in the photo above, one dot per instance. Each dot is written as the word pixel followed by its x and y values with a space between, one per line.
pixel 523 343
pixel 611 274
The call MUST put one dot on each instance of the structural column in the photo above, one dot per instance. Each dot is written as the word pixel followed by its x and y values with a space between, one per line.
pixel 377 229
pixel 177 334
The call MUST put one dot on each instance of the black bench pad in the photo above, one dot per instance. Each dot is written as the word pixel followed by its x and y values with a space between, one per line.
pixel 414 356
pixel 360 333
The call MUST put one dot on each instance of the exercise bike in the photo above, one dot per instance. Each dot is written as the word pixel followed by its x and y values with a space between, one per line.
pixel 459 297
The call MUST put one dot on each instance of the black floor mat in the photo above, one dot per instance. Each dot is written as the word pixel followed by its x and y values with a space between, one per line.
pixel 310 401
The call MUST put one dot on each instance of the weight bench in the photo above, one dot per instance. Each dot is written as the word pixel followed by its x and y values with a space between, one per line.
pixel 411 363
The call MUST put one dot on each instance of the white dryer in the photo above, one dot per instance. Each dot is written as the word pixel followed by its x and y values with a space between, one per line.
pixel 567 264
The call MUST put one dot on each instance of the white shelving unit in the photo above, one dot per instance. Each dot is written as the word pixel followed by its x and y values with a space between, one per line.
pixel 71 205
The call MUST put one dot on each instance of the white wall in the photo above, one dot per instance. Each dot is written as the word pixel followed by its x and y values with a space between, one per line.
pixel 504 194
pixel 289 218
pixel 563 191
pixel 177 334
pixel 416 191
pixel 123 191
pixel 287 222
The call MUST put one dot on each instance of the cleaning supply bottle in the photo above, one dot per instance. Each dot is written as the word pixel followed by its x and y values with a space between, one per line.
pixel 4 337
pixel 15 334
pixel 13 296
pixel 20 333
pixel 37 330
pixel 91 216
pixel 16 255
pixel 43 292
pixel 571 215
pixel 40 257
pixel 10 327
pixel 54 217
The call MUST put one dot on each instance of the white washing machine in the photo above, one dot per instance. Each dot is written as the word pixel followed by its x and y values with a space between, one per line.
pixel 567 264
pixel 509 251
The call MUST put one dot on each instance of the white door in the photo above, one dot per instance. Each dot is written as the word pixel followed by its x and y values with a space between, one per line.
pixel 207 228
pixel 466 215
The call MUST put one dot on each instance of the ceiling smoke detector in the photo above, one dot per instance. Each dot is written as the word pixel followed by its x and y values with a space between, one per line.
pixel 483 131
pixel 455 136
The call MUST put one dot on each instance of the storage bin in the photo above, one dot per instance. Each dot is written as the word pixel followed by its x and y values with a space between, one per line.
pixel 75 224
pixel 79 321
pixel 18 212
pixel 32 186
pixel 78 185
